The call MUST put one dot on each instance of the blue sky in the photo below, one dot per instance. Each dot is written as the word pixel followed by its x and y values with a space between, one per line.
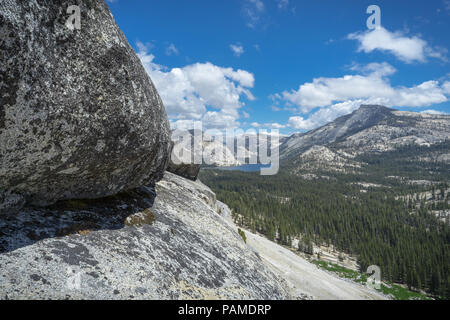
pixel 292 65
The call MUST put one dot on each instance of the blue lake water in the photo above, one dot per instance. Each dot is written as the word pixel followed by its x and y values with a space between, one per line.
pixel 245 167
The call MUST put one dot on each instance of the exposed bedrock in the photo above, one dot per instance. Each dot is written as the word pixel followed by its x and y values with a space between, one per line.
pixel 132 246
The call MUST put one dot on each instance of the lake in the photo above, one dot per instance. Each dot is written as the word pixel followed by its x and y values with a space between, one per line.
pixel 245 167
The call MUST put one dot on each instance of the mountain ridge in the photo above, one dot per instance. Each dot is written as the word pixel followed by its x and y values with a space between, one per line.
pixel 371 125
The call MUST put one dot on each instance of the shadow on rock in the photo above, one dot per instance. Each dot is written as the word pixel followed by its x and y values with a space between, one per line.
pixel 76 217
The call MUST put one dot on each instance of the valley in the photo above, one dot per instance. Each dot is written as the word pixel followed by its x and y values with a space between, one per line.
pixel 234 151
pixel 372 186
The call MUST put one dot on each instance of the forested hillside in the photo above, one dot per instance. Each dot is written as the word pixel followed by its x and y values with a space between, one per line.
pixel 365 213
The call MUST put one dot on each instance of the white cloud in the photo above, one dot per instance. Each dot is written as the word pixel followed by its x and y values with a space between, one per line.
pixel 275 125
pixel 201 91
pixel 436 112
pixel 407 49
pixel 282 4
pixel 374 68
pixel 335 97
pixel 329 113
pixel 371 84
pixel 237 49
pixel 299 122
pixel 446 87
pixel 252 11
pixel 172 50
pixel 422 95
pixel 269 125
pixel 275 108
pixel 325 115
pixel 259 5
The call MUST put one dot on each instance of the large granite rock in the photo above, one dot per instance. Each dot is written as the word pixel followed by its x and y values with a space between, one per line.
pixel 79 116
pixel 132 246
pixel 183 165
pixel 186 170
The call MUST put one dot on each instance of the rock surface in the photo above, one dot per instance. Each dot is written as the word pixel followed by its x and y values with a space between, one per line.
pixel 132 246
pixel 186 170
pixel 306 280
pixel 79 116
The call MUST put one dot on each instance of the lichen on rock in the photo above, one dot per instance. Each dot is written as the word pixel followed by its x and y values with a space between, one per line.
pixel 188 251
pixel 79 116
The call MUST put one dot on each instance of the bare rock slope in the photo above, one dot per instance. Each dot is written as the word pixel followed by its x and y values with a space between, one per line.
pixel 132 246
pixel 305 279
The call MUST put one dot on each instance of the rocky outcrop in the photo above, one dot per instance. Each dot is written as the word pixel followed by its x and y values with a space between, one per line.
pixel 133 246
pixel 186 170
pixel 322 158
pixel 79 116
pixel 182 167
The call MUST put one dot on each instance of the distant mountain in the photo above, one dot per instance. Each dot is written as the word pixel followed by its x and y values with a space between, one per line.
pixel 212 152
pixel 372 129
pixel 366 116
pixel 218 153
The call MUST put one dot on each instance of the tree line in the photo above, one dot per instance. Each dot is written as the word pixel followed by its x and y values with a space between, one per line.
pixel 410 246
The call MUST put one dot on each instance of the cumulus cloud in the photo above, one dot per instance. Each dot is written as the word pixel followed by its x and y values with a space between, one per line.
pixel 201 91
pixel 371 84
pixel 334 97
pixel 325 115
pixel 237 49
pixel 407 49
pixel 329 113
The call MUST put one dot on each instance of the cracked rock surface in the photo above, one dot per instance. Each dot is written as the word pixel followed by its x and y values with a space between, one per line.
pixel 132 246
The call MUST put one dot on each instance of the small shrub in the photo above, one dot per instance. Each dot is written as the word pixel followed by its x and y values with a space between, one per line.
pixel 242 234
